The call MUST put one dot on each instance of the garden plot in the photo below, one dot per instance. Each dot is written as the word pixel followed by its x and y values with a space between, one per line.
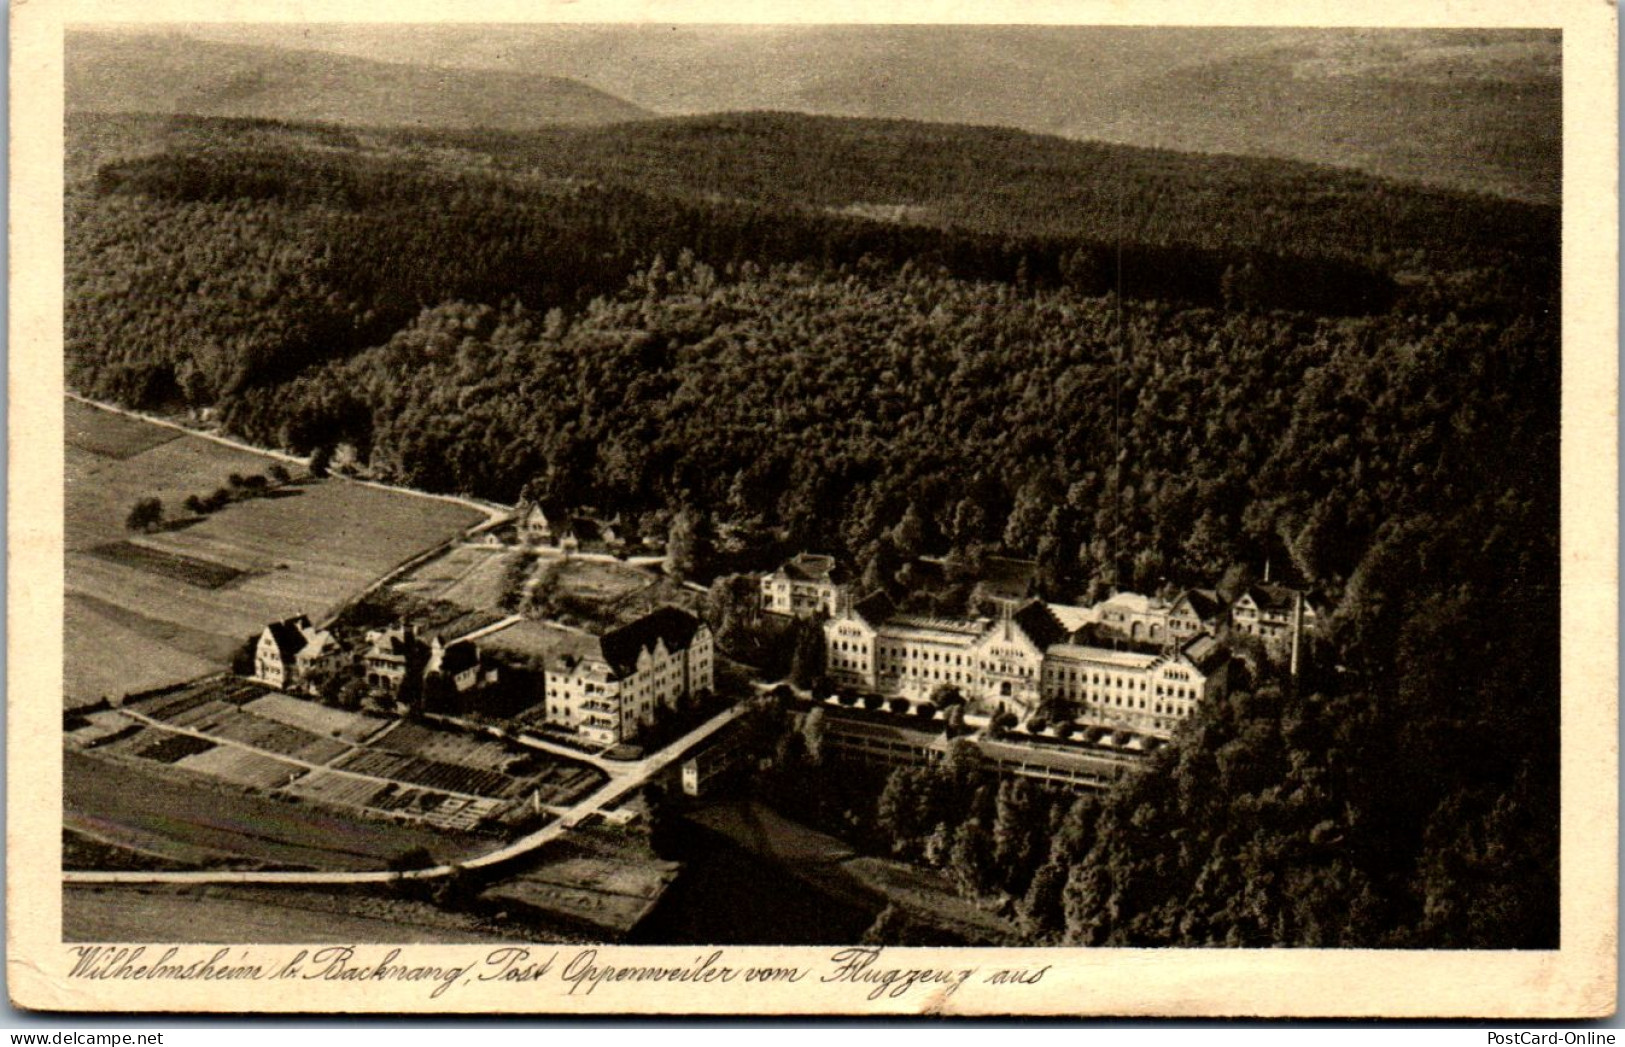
pixel 431 773
pixel 229 763
pixel 339 789
pixel 448 747
pixel 317 718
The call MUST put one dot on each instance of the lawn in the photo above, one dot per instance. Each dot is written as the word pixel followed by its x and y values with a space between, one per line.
pixel 599 581
pixel 147 610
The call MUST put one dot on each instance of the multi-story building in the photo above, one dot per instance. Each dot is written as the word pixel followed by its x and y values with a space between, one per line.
pixel 1019 660
pixel 290 651
pixel 1276 614
pixel 1154 620
pixel 1134 617
pixel 1010 658
pixel 609 688
pixel 1150 693
pixel 394 655
pixel 806 585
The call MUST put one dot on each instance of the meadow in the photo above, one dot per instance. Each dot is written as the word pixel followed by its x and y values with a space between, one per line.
pixel 147 610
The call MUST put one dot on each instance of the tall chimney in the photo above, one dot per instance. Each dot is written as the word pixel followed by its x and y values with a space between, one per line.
pixel 1297 628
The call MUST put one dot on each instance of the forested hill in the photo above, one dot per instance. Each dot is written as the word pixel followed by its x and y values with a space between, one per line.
pixel 265 248
pixel 173 74
pixel 1011 182
pixel 880 340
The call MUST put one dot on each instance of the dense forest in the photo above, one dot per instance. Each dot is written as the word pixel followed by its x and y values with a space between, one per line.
pixel 880 340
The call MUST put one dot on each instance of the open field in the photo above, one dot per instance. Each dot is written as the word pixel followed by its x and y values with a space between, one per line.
pixel 109 435
pixel 151 609
pixel 242 914
pixel 470 576
pixel 157 812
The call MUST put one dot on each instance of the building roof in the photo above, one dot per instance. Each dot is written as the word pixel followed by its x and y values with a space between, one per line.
pixel 875 608
pixel 930 737
pixel 1207 603
pixel 1129 603
pixel 1040 625
pixel 1274 598
pixel 813 567
pixel 1103 656
pixel 1072 618
pixel 290 635
pixel 1203 652
pixel 672 626
pixel 1051 758
pixel 454 658
pixel 957 631
pixel 400 640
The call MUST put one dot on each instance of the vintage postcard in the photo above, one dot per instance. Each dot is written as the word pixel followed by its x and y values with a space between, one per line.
pixel 1043 509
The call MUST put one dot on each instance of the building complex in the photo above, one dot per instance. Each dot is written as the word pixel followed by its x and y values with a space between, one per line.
pixel 1130 661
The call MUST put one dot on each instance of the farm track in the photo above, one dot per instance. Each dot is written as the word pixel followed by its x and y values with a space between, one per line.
pixel 494 513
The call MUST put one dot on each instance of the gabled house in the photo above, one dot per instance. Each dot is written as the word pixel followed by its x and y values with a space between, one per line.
pixel 1195 611
pixel 290 651
pixel 534 526
pixel 459 662
pixel 608 688
pixel 394 656
pixel 1010 657
pixel 1274 613
pixel 807 584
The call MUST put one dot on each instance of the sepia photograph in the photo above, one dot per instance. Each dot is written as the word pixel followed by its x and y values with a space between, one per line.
pixel 610 494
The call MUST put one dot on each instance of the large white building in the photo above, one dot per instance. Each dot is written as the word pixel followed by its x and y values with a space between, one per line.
pixel 1021 659
pixel 1146 692
pixel 610 688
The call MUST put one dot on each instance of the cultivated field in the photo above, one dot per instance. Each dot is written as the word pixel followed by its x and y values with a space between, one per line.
pixel 198 822
pixel 225 732
pixel 148 610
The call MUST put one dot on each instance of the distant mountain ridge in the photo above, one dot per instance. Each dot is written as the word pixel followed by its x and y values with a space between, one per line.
pixel 1479 110
pixel 174 74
